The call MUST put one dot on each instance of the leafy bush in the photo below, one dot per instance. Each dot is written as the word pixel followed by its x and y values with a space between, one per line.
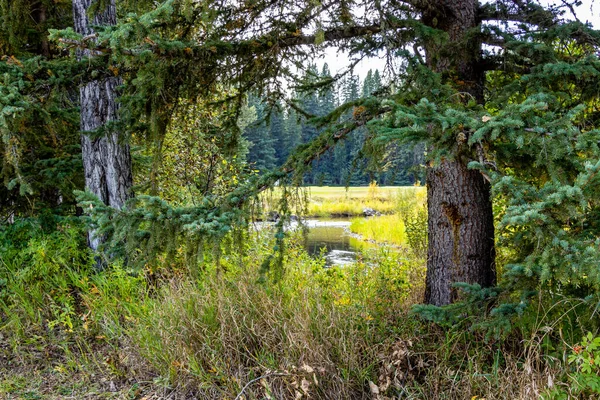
pixel 415 226
pixel 585 381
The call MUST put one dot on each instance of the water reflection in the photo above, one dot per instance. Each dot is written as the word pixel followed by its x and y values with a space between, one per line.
pixel 332 239
pixel 328 237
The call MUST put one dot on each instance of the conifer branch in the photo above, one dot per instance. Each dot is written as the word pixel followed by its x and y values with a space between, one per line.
pixel 231 48
pixel 325 141
pixel 517 11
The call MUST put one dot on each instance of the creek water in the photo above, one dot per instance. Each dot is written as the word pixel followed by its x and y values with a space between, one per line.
pixel 332 239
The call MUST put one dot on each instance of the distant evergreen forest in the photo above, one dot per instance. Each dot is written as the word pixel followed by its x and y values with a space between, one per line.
pixel 277 130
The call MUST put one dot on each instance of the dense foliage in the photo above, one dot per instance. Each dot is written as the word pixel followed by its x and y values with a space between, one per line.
pixel 221 100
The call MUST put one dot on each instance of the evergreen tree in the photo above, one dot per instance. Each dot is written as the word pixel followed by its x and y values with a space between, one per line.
pixel 342 166
pixel 368 84
pixel 350 92
pixel 376 82
pixel 327 100
pixel 24 26
pixel 394 164
pixel 39 146
pixel 261 154
pixel 309 102
pixel 464 213
pixel 281 142
pixel 350 88
pixel 324 168
pixel 292 133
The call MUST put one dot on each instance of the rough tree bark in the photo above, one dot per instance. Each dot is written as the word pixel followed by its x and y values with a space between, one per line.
pixel 461 231
pixel 461 226
pixel 106 158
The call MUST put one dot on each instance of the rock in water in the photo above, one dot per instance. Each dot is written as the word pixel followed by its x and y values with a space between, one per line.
pixel 273 216
pixel 369 212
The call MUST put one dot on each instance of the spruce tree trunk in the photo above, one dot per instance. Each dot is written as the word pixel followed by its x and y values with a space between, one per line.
pixel 106 158
pixel 41 20
pixel 461 231
pixel 460 221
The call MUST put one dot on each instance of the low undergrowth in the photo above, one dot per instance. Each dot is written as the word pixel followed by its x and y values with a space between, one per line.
pixel 67 331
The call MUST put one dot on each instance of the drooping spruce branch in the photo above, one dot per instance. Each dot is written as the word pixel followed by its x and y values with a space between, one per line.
pixel 149 226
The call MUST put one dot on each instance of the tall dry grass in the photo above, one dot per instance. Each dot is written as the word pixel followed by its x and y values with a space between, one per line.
pixel 319 333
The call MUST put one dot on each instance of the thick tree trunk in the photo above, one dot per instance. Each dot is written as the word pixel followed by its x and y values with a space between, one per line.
pixel 461 231
pixel 460 222
pixel 106 158
pixel 41 20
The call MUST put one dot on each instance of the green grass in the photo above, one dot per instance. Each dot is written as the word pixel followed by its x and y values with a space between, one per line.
pixel 212 335
pixel 329 201
pixel 404 227
pixel 67 331
pixel 383 229
pixel 354 192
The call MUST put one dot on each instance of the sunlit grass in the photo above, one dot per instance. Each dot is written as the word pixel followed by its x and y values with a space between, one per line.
pixel 386 228
pixel 405 204
pixel 353 192
pixel 328 201
pixel 340 207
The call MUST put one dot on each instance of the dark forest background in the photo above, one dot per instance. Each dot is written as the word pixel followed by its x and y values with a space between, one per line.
pixel 277 129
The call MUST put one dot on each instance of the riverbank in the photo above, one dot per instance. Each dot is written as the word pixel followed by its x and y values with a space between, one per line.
pixel 338 202
pixel 342 202
pixel 406 226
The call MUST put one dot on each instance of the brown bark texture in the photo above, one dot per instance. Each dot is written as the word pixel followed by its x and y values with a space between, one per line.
pixel 460 221
pixel 461 231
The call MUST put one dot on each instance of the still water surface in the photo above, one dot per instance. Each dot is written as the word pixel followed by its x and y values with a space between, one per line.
pixel 328 237
pixel 332 239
